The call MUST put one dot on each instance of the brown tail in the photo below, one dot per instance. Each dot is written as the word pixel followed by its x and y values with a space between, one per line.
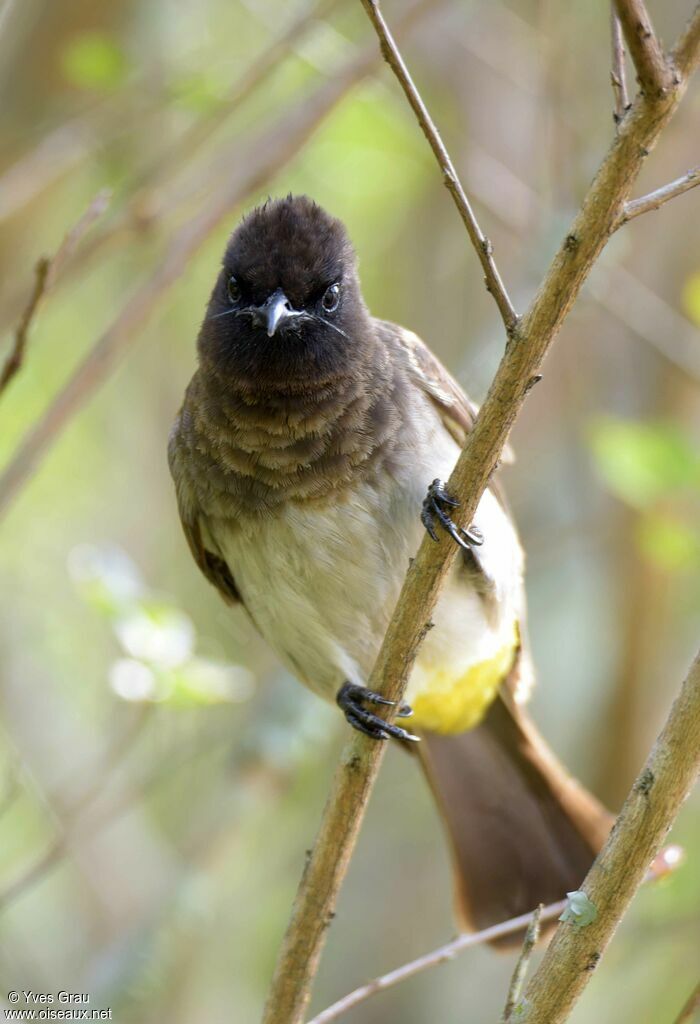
pixel 522 831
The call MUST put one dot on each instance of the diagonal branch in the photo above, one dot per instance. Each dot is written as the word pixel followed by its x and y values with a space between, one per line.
pixel 518 979
pixel 653 72
pixel 653 200
pixel 617 72
pixel 649 811
pixel 13 363
pixel 484 249
pixel 690 1007
pixel 528 343
pixel 686 55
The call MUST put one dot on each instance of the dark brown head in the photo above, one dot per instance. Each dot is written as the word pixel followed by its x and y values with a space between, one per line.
pixel 287 307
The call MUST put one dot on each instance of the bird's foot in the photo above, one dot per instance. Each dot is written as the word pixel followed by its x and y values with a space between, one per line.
pixel 352 699
pixel 436 506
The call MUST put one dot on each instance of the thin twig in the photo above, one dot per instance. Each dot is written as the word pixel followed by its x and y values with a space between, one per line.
pixel 653 73
pixel 446 953
pixel 436 957
pixel 15 359
pixel 482 245
pixel 45 273
pixel 617 72
pixel 690 1007
pixel 520 971
pixel 653 200
pixel 264 158
pixel 686 55
pixel 618 871
pixel 327 863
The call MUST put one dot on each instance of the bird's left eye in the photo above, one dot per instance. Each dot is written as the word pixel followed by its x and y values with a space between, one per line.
pixel 331 298
pixel 233 288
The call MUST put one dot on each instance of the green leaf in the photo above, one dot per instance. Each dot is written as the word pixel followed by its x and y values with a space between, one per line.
pixel 641 462
pixel 92 60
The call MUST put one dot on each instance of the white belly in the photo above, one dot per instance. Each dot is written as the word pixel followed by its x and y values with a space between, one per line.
pixel 321 583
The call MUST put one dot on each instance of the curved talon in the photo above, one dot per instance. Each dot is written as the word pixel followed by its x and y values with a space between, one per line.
pixel 434 508
pixel 351 698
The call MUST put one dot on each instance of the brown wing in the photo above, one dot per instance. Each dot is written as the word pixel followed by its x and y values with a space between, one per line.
pixel 457 413
pixel 213 566
pixel 456 410
pixel 209 561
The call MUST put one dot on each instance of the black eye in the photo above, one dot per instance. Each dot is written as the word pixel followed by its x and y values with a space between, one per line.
pixel 331 298
pixel 233 288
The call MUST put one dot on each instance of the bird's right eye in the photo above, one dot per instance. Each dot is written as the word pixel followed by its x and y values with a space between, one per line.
pixel 233 288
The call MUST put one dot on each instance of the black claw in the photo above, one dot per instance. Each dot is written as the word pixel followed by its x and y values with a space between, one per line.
pixel 369 730
pixel 434 508
pixel 352 698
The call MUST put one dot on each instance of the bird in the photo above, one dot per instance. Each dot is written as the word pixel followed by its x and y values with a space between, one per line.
pixel 308 457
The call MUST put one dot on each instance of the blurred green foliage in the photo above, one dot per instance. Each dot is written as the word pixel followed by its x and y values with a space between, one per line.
pixel 157 638
pixel 655 468
pixel 93 60
pixel 641 462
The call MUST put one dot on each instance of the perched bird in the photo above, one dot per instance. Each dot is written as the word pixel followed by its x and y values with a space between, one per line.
pixel 303 457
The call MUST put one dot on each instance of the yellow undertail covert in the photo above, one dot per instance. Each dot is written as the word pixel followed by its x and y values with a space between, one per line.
pixel 452 705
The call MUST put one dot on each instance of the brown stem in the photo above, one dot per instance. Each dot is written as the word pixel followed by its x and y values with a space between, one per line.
pixel 617 72
pixel 45 273
pixel 653 200
pixel 686 55
pixel 690 1007
pixel 482 245
pixel 653 72
pixel 13 363
pixel 518 979
pixel 648 813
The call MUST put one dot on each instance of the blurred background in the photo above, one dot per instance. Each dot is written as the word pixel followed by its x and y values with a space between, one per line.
pixel 160 775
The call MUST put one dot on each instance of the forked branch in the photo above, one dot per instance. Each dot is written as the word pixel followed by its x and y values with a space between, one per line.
pixel 529 340
pixel 653 72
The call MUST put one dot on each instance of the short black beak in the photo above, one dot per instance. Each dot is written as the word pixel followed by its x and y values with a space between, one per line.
pixel 274 311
